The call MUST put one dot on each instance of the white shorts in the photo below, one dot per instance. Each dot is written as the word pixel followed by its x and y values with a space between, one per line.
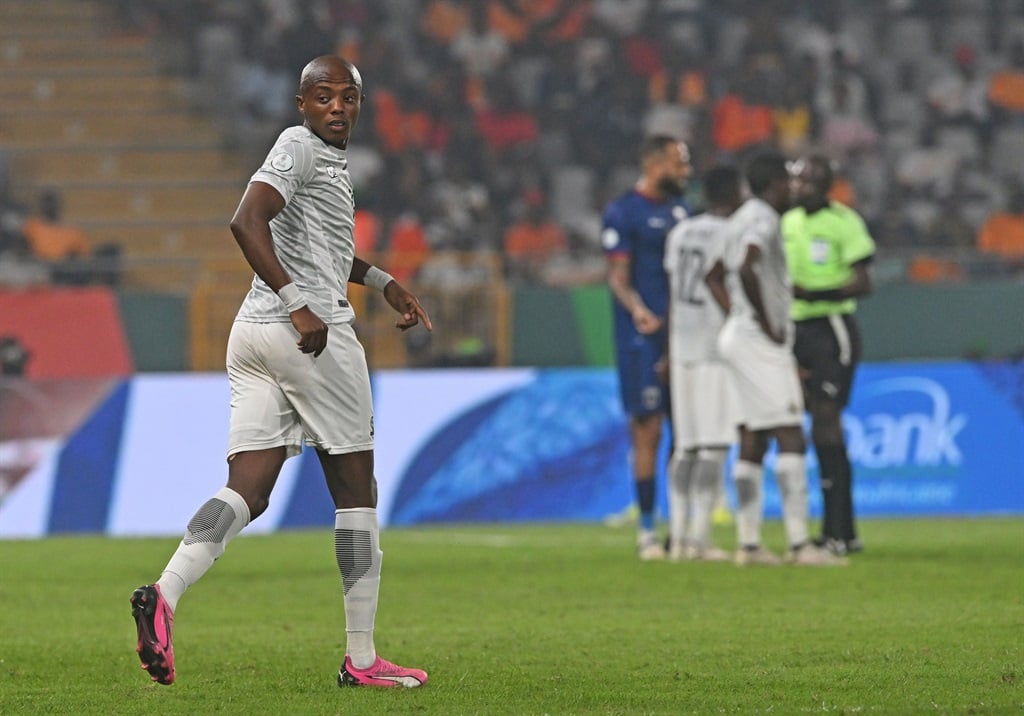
pixel 281 396
pixel 705 412
pixel 764 374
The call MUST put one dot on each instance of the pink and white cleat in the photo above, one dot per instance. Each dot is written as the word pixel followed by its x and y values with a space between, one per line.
pixel 381 673
pixel 154 619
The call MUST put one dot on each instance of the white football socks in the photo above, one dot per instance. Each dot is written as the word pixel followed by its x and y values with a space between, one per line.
pixel 750 502
pixel 705 485
pixel 681 469
pixel 215 524
pixel 791 477
pixel 356 546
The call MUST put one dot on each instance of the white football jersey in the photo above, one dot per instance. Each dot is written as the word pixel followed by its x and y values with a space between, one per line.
pixel 692 248
pixel 313 233
pixel 756 223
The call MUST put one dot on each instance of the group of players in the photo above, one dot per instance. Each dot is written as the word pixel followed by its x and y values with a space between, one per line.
pixel 732 322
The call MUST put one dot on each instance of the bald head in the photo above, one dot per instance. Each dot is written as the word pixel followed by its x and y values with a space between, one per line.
pixel 329 69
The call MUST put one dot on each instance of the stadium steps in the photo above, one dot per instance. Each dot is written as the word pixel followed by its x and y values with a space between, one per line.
pixel 158 239
pixel 46 166
pixel 86 110
pixel 102 128
pixel 163 202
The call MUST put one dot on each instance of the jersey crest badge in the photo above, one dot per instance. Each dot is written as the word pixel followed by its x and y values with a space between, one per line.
pixel 282 162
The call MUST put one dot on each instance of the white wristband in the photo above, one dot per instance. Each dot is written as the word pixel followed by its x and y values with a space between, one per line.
pixel 293 299
pixel 375 278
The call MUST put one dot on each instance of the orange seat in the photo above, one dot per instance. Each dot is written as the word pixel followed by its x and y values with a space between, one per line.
pixel 929 269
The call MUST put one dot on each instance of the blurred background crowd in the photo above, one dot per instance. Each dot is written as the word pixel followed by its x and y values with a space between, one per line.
pixel 494 132
pixel 507 124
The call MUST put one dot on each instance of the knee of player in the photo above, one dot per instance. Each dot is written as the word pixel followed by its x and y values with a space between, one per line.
pixel 791 440
pixel 256 501
pixel 258 506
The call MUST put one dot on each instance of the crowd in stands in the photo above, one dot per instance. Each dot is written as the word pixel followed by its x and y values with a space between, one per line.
pixel 506 125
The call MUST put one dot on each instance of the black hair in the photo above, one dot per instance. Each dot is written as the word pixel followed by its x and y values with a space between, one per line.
pixel 764 169
pixel 721 185
pixel 655 144
pixel 827 167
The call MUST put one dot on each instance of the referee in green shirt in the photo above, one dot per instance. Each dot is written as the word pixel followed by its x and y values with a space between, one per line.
pixel 828 252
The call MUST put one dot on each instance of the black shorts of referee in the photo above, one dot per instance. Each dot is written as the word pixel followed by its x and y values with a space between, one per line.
pixel 828 349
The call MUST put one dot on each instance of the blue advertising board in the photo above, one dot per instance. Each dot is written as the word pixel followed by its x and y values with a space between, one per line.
pixel 136 457
pixel 924 439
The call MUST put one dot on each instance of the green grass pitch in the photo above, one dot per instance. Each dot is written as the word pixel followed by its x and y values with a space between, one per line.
pixel 537 619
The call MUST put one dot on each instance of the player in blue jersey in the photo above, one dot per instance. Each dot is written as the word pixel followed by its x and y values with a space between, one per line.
pixel 634 229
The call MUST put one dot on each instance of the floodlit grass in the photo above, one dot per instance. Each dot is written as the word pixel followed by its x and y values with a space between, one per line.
pixel 531 620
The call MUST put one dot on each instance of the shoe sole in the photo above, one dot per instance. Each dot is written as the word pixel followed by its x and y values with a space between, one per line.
pixel 765 559
pixel 151 654
pixel 346 679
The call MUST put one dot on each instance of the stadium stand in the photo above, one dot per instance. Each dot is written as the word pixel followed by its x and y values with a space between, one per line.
pixel 148 117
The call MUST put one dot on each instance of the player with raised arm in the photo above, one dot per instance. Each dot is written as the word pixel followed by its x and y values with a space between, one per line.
pixel 297 374
pixel 704 410
pixel 635 227
pixel 756 343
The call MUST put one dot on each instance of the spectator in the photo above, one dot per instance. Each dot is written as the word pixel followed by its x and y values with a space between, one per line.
pixel 958 96
pixel 19 268
pixel 793 119
pixel 533 241
pixel 65 248
pixel 1002 234
pixel 1006 86
pixel 738 126
pixel 846 128
pixel 504 123
pixel 444 20
pixel 407 247
pixel 480 50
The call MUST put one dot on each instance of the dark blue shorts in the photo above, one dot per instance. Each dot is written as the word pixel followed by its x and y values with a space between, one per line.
pixel 641 390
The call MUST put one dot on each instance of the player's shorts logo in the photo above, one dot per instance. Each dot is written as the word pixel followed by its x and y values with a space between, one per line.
pixel 650 397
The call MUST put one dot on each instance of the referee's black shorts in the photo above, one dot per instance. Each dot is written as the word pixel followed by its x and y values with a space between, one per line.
pixel 827 350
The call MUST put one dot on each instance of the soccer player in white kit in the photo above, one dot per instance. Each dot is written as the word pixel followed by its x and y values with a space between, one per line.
pixel 297 374
pixel 756 342
pixel 704 407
